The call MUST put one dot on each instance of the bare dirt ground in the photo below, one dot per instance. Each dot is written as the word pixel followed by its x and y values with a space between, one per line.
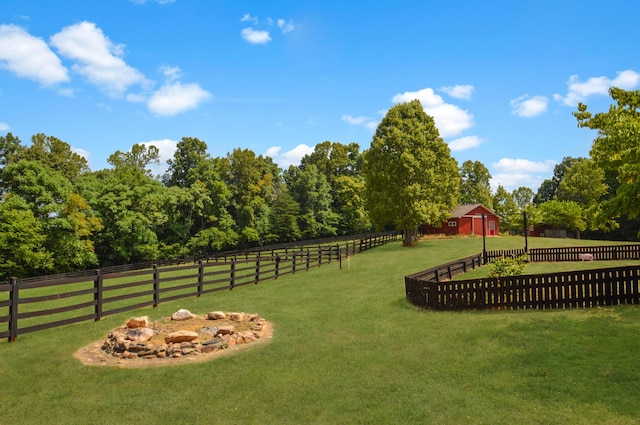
pixel 92 354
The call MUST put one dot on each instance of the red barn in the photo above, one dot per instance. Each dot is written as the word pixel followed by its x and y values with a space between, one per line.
pixel 467 220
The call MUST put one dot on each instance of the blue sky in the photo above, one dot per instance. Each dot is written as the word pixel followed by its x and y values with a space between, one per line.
pixel 501 78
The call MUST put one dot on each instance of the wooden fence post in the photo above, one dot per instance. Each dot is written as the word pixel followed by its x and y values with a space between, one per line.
pixel 97 295
pixel 293 268
pixel 257 278
pixel 308 257
pixel 200 277
pixel 156 285
pixel 233 274
pixel 277 269
pixel 14 297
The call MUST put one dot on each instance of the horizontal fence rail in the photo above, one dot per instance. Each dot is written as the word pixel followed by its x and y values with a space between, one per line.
pixel 33 305
pixel 433 288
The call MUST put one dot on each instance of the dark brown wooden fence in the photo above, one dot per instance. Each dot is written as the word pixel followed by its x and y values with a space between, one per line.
pixel 588 288
pixel 600 253
pixel 33 305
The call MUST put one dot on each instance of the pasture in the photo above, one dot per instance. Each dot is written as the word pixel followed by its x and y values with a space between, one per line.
pixel 348 348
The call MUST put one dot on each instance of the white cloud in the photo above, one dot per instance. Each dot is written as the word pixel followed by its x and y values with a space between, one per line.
pixel 100 61
pixel 361 120
pixel 255 36
pixel 450 119
pixel 285 26
pixel 368 123
pixel 292 157
pixel 578 91
pixel 66 92
pixel 4 126
pixel 513 173
pixel 464 143
pixel 166 148
pixel 83 153
pixel 171 73
pixel 262 36
pixel 29 57
pixel 248 18
pixel 175 98
pixel 459 91
pixel 529 107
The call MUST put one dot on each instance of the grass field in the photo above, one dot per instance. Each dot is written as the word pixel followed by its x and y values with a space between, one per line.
pixel 348 349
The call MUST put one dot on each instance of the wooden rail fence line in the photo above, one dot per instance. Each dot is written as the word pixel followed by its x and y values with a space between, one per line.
pixel 433 288
pixel 32 305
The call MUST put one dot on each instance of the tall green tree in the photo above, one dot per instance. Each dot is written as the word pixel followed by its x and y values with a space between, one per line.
pixel 411 177
pixel 616 150
pixel 65 218
pixel 348 195
pixel 22 241
pixel 189 159
pixel 475 184
pixel 284 220
pixel 523 196
pixel 563 214
pixel 311 190
pixel 549 188
pixel 254 182
pixel 342 166
pixel 55 154
pixel 505 206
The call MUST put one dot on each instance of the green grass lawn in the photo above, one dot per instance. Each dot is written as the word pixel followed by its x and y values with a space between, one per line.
pixel 349 349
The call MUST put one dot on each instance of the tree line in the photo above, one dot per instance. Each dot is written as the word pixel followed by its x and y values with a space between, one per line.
pixel 57 215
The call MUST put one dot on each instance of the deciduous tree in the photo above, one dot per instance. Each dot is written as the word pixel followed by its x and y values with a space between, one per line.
pixel 616 149
pixel 475 184
pixel 411 177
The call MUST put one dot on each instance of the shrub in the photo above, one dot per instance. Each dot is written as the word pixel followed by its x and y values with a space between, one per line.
pixel 508 266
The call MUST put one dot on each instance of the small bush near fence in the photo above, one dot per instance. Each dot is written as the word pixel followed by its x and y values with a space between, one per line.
pixel 588 288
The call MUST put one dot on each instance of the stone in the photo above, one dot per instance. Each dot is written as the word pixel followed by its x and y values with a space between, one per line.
pixel 216 315
pixel 182 314
pixel 208 331
pixel 257 326
pixel 133 340
pixel 140 334
pixel 247 336
pixel 226 330
pixel 181 336
pixel 237 317
pixel 138 322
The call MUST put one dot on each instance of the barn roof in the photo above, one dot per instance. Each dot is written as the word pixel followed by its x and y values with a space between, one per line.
pixel 462 210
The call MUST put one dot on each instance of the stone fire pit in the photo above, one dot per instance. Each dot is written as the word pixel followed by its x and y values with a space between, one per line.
pixel 184 336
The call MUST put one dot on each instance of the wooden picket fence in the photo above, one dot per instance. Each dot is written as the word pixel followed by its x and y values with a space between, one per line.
pixel 34 305
pixel 577 289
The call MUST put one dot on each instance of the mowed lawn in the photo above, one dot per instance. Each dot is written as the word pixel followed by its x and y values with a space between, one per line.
pixel 348 349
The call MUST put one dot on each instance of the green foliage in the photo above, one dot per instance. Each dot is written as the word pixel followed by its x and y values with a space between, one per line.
pixel 506 208
pixel 410 175
pixel 475 184
pixel 549 188
pixel 508 266
pixel 284 222
pixel 311 190
pixel 563 214
pixel 22 241
pixel 616 148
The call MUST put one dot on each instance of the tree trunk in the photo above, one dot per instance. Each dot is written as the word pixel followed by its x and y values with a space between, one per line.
pixel 410 234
